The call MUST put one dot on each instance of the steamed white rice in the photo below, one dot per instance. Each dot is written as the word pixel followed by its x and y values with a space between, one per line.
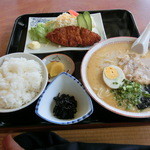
pixel 20 81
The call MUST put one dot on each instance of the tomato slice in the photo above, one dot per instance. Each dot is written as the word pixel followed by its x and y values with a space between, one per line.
pixel 72 12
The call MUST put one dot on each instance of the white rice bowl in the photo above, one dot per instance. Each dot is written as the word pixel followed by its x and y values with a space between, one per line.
pixel 23 77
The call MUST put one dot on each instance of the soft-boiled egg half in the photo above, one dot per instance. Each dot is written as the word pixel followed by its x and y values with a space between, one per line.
pixel 113 76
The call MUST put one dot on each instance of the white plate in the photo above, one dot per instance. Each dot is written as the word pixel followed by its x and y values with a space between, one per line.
pixel 50 48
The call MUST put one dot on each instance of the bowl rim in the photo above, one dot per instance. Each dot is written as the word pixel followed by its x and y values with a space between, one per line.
pixel 66 122
pixel 41 91
pixel 92 93
pixel 70 59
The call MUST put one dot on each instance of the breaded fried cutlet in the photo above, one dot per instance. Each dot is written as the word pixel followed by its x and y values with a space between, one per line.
pixel 73 36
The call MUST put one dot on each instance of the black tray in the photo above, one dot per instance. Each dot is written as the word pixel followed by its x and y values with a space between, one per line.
pixel 116 23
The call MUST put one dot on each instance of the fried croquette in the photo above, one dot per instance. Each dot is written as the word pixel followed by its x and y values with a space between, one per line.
pixel 73 36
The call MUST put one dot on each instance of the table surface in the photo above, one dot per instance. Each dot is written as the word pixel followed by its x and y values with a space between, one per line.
pixel 11 9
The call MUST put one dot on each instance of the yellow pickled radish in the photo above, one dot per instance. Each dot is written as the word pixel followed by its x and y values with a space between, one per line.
pixel 55 68
pixel 49 66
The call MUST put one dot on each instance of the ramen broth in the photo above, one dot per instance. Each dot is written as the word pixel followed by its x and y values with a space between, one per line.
pixel 105 56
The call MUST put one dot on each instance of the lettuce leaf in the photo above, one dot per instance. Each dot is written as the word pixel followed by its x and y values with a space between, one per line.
pixel 39 32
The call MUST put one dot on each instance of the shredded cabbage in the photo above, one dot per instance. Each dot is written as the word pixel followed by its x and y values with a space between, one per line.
pixel 39 32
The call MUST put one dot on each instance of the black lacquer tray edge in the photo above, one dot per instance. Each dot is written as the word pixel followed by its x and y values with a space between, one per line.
pixel 76 126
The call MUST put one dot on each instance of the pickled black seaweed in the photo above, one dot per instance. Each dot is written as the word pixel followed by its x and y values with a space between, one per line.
pixel 66 106
pixel 145 101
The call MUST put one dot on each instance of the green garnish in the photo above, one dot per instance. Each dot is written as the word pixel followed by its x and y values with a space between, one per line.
pixel 115 82
pixel 146 95
pixel 39 32
pixel 50 26
pixel 129 94
pixel 88 19
pixel 81 21
pixel 84 20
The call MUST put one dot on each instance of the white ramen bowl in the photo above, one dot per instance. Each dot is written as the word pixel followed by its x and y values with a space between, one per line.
pixel 44 75
pixel 88 87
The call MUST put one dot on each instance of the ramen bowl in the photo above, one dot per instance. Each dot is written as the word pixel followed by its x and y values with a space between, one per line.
pixel 90 89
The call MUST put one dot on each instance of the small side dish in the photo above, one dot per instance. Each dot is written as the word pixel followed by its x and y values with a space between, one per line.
pixel 57 63
pixel 71 105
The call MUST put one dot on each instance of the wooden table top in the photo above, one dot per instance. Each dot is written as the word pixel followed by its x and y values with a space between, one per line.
pixel 11 9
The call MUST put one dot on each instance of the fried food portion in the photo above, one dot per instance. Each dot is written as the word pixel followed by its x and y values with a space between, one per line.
pixel 73 36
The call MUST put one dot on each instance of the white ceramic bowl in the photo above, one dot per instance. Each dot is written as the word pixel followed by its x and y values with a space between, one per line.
pixel 64 84
pixel 88 87
pixel 66 60
pixel 44 74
